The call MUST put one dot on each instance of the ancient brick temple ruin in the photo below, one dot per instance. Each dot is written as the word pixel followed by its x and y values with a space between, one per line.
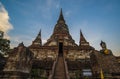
pixel 59 58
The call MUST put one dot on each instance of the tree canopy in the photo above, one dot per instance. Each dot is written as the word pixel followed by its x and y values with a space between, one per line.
pixel 4 45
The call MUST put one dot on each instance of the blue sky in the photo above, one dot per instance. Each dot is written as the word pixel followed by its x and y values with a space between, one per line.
pixel 98 20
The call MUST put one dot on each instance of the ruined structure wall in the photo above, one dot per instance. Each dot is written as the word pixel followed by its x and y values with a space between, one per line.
pixel 78 54
pixel 43 53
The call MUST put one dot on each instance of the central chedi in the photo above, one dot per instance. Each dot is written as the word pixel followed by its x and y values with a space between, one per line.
pixel 60 34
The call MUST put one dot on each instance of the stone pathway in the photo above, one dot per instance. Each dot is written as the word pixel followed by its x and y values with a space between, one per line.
pixel 60 69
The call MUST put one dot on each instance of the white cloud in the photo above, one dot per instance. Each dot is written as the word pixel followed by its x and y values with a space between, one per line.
pixel 67 13
pixel 44 41
pixel 5 25
pixel 48 7
pixel 57 6
pixel 26 39
pixel 52 3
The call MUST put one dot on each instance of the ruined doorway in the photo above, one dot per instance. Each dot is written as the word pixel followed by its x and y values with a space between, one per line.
pixel 60 49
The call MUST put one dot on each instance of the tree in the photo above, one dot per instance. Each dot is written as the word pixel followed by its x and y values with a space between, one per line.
pixel 4 45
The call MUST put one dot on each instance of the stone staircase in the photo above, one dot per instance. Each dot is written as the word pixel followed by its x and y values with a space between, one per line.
pixel 60 69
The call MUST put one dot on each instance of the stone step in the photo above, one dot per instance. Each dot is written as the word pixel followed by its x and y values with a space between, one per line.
pixel 60 69
pixel 59 78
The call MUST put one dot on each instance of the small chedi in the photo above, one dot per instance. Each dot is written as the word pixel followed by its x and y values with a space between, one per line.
pixel 60 58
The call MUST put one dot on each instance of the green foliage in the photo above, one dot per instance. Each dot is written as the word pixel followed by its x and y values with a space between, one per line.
pixel 86 78
pixel 37 74
pixel 4 44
